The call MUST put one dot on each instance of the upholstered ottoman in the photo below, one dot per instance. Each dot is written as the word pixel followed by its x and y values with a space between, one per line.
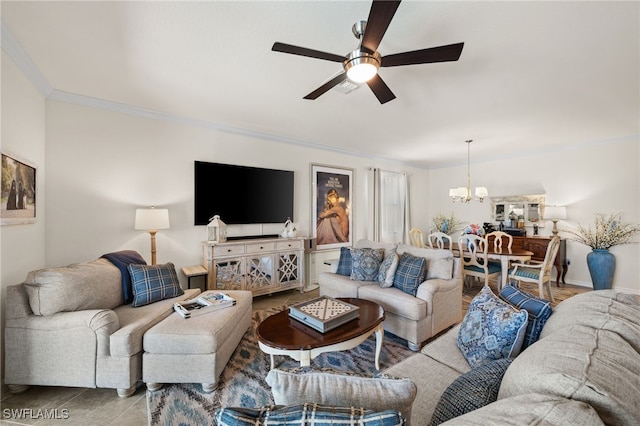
pixel 195 350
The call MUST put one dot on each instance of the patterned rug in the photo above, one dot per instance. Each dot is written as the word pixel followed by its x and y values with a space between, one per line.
pixel 242 381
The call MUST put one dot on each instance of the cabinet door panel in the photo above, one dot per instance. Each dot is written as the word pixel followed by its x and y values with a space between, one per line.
pixel 229 274
pixel 259 272
pixel 288 268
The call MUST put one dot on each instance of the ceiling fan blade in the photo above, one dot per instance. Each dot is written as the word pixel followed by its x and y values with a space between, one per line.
pixel 303 51
pixel 327 86
pixel 380 89
pixel 380 16
pixel 447 53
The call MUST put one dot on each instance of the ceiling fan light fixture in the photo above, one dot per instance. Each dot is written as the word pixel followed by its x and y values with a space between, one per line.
pixel 361 66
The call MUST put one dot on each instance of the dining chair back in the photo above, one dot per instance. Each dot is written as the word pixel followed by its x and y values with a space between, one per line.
pixel 537 272
pixel 501 240
pixel 416 239
pixel 440 240
pixel 473 254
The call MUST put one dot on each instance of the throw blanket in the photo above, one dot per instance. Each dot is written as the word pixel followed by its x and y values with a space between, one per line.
pixel 122 260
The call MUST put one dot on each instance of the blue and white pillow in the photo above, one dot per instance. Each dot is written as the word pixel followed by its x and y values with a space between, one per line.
pixel 411 272
pixel 366 263
pixel 539 311
pixel 306 414
pixel 151 283
pixel 388 269
pixel 345 264
pixel 492 329
pixel 472 390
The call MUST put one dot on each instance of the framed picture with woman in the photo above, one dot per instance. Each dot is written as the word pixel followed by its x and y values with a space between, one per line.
pixel 18 195
pixel 332 208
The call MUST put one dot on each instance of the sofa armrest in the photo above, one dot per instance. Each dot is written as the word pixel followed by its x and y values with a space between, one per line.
pixel 17 302
pixel 429 288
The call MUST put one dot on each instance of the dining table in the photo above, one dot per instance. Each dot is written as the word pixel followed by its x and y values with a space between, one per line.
pixel 505 256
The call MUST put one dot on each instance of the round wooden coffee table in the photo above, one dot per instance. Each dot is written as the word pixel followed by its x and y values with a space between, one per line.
pixel 280 334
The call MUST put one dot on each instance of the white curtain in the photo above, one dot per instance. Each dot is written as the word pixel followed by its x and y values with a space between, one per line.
pixel 390 206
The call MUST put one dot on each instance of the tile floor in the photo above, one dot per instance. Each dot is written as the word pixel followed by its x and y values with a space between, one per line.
pixel 99 407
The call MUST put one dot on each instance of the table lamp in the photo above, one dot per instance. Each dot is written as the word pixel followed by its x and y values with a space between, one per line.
pixel 554 214
pixel 151 220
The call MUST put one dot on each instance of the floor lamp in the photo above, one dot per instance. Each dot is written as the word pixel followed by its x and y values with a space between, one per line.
pixel 151 220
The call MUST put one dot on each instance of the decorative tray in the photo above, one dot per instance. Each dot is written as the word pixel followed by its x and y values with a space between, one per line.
pixel 324 313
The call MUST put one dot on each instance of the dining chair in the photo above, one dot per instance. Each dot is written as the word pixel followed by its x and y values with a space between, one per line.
pixel 440 240
pixel 501 241
pixel 473 255
pixel 537 272
pixel 416 239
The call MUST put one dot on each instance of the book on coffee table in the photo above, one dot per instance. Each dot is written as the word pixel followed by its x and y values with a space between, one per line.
pixel 324 313
pixel 203 304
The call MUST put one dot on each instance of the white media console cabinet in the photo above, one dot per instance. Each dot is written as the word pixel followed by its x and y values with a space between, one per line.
pixel 262 265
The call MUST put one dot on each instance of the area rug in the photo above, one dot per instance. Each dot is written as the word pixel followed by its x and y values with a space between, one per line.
pixel 242 383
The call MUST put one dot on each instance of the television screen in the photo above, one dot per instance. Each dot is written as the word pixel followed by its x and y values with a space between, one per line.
pixel 242 195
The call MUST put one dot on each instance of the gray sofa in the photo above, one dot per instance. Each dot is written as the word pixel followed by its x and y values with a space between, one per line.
pixel 436 306
pixel 69 327
pixel 584 369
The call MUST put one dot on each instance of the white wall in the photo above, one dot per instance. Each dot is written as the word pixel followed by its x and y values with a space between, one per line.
pixel 23 135
pixel 102 165
pixel 589 179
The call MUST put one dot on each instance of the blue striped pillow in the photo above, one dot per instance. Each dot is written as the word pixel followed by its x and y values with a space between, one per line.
pixel 345 264
pixel 539 311
pixel 306 414
pixel 152 283
pixel 411 272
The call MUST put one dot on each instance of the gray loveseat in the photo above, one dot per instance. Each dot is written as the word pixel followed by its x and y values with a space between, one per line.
pixel 584 369
pixel 69 326
pixel 436 306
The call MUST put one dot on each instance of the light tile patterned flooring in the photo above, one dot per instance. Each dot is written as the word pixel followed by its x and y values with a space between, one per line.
pixel 89 407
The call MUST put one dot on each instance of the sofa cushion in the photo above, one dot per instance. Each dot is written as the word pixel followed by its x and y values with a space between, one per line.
pixel 90 285
pixel 530 409
pixel 591 353
pixel 306 414
pixel 345 264
pixel 387 269
pixel 122 259
pixel 366 263
pixel 328 387
pixel 154 282
pixel 492 329
pixel 410 273
pixel 439 261
pixel 538 311
pixel 471 391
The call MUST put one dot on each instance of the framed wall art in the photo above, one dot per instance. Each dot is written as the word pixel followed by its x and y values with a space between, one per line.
pixel 332 206
pixel 18 195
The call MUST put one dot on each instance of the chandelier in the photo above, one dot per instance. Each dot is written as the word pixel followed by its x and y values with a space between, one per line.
pixel 463 194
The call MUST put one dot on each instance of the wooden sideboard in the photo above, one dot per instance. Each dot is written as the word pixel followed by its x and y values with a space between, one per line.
pixel 538 245
pixel 262 266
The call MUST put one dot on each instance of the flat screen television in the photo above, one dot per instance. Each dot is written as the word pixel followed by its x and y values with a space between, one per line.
pixel 241 194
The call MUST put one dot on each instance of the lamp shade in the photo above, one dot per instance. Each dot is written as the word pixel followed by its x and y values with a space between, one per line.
pixel 152 219
pixel 555 212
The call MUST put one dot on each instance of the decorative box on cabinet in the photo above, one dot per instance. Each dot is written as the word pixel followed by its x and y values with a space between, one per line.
pixel 262 266
pixel 538 245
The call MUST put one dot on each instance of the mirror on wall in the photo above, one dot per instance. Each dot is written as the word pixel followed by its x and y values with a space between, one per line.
pixel 518 211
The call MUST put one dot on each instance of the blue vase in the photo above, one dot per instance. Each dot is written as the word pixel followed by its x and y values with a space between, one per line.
pixel 602 266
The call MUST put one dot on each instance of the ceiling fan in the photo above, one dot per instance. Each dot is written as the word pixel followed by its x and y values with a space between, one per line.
pixel 361 65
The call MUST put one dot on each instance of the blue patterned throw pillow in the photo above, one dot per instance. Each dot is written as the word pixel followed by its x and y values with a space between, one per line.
pixel 539 311
pixel 472 390
pixel 366 262
pixel 411 272
pixel 345 264
pixel 306 414
pixel 492 329
pixel 152 283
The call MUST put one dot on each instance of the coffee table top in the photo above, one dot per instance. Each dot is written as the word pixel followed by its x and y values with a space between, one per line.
pixel 280 331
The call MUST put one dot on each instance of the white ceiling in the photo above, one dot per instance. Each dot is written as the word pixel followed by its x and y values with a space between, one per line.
pixel 532 76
